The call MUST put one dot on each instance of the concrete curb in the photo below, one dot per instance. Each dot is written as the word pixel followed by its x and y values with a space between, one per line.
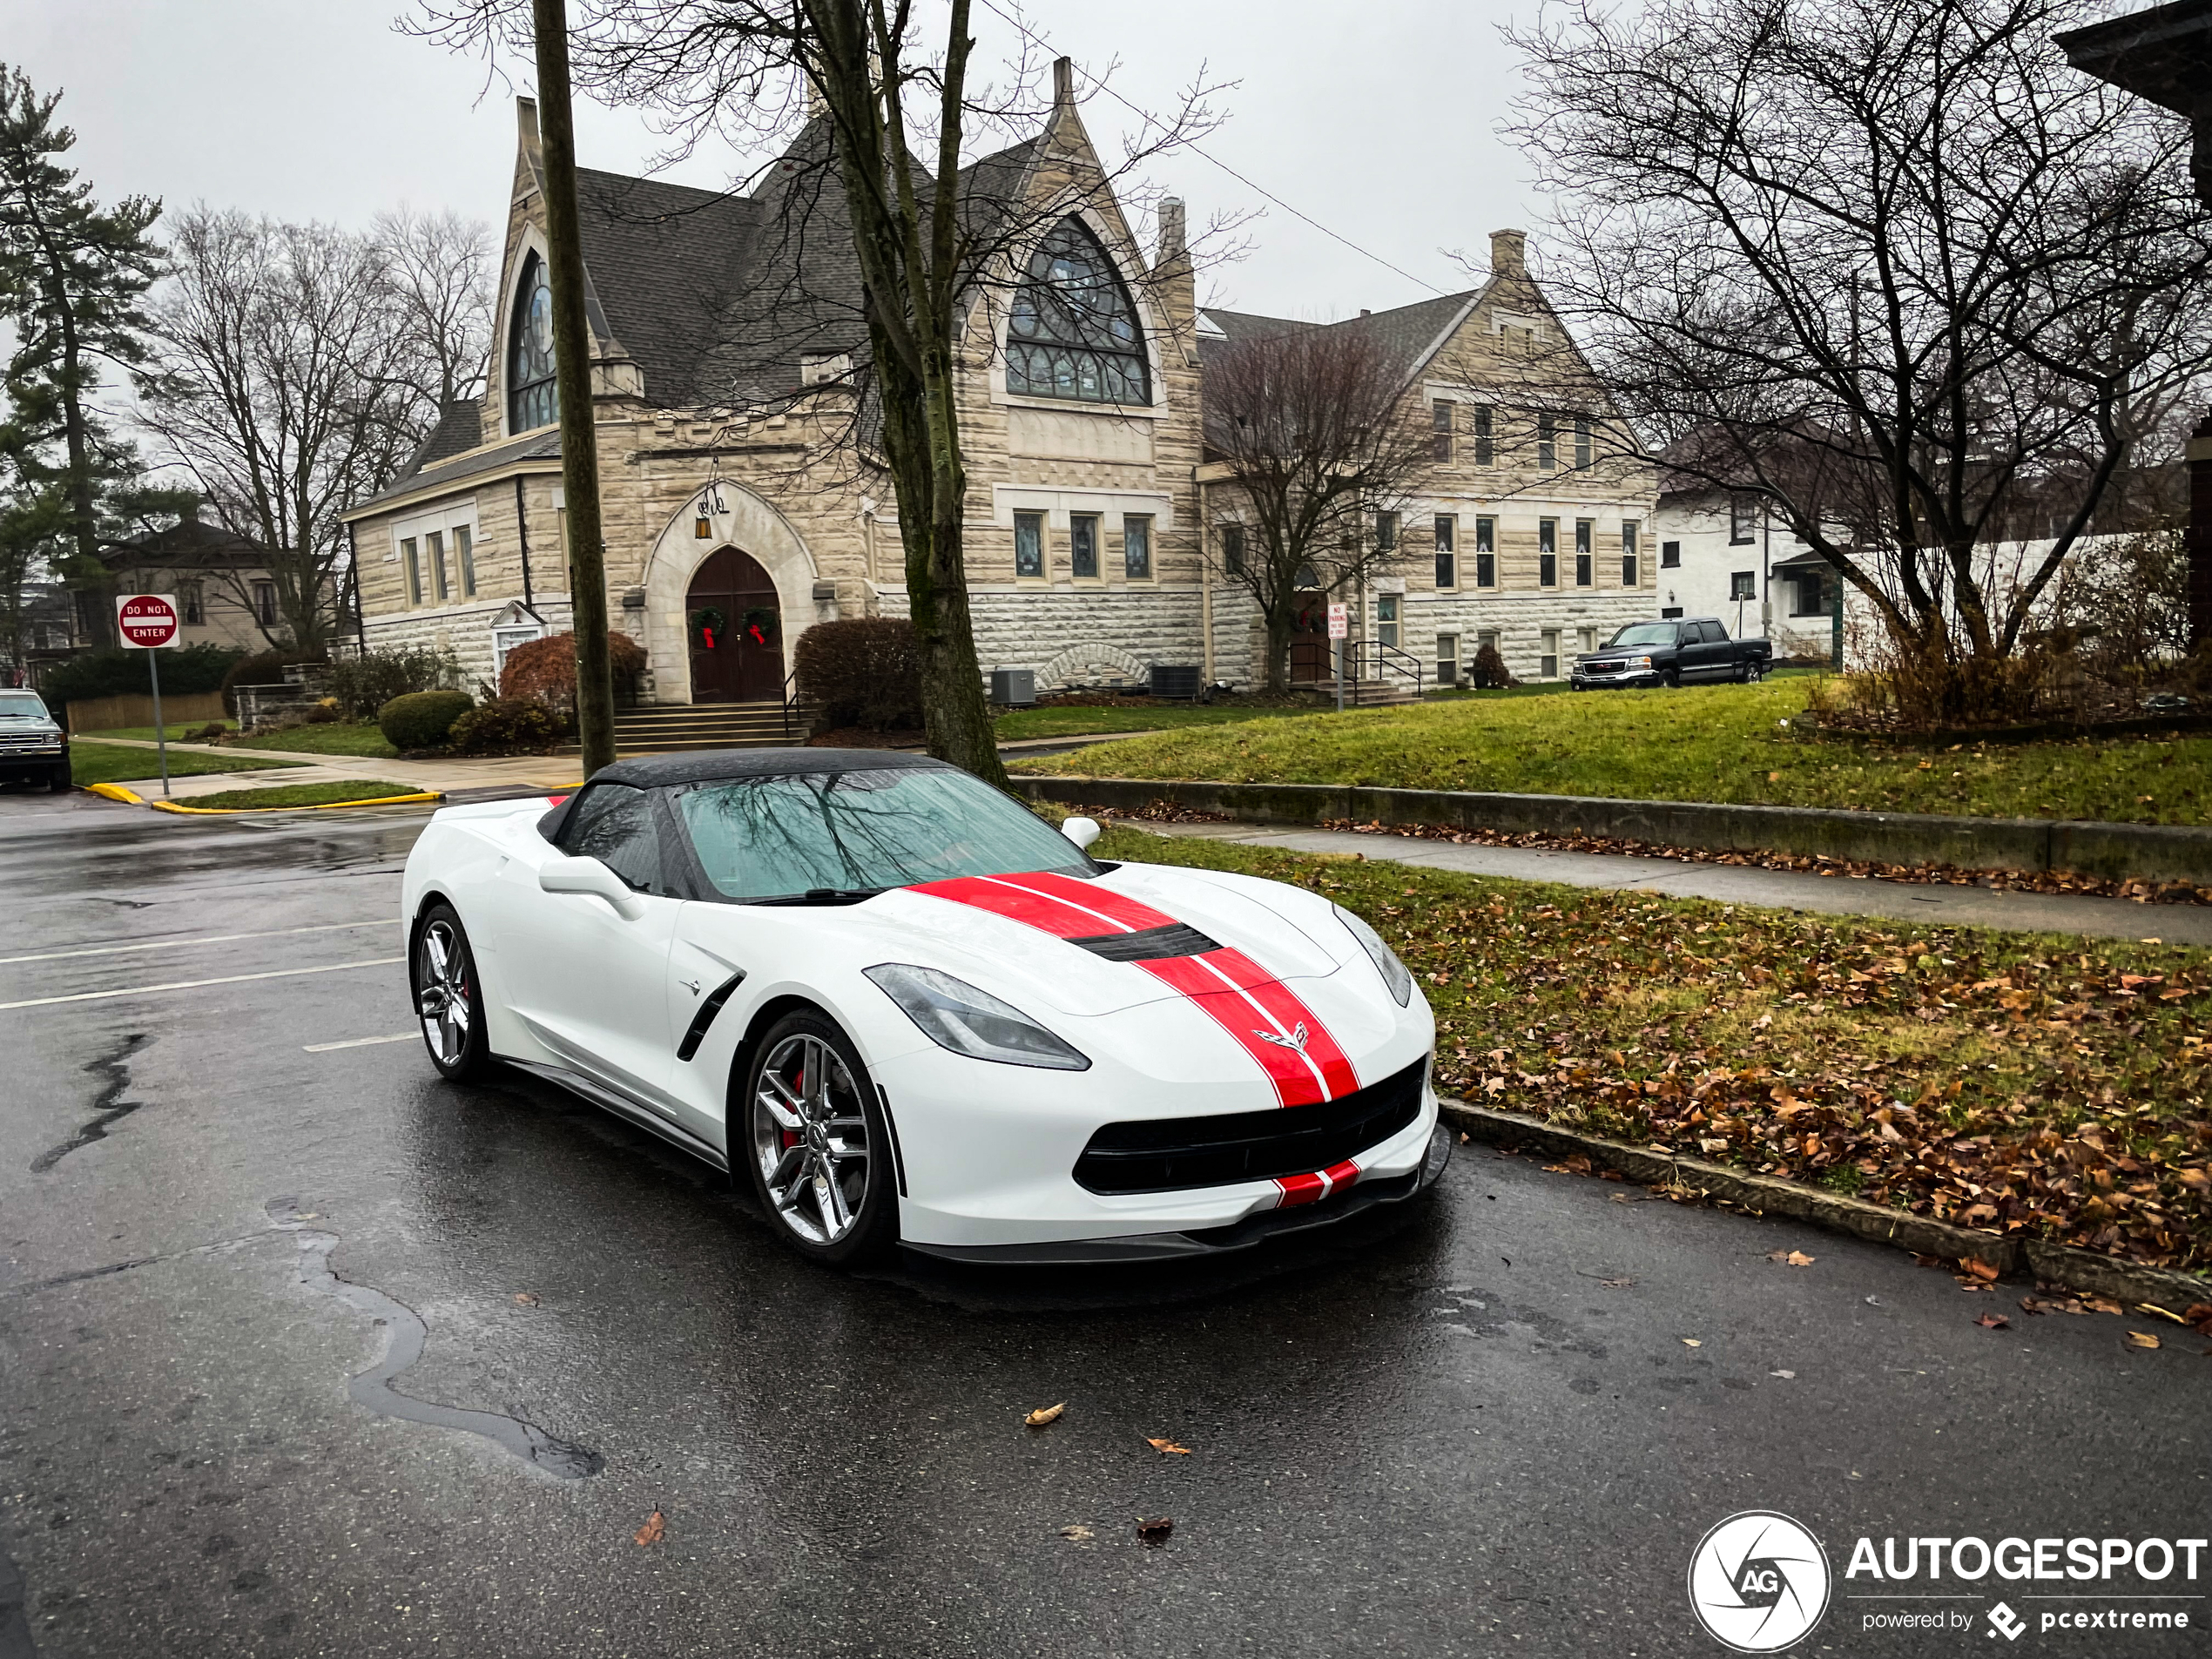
pixel 117 792
pixel 2117 852
pixel 2078 1270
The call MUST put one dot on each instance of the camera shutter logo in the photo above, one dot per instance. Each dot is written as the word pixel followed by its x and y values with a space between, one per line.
pixel 1758 1582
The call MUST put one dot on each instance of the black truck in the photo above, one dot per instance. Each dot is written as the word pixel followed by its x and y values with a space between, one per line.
pixel 33 746
pixel 1673 651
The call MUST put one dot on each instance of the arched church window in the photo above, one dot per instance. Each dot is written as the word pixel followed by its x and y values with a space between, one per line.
pixel 532 400
pixel 1074 332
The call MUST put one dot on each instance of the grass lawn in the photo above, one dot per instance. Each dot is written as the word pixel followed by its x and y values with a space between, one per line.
pixel 337 738
pixel 177 730
pixel 108 763
pixel 327 794
pixel 2020 1081
pixel 1718 743
pixel 1063 723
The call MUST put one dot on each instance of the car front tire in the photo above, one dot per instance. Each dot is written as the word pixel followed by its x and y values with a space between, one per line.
pixel 448 996
pixel 813 1140
pixel 59 781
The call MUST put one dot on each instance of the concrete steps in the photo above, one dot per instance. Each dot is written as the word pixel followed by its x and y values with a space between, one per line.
pixel 1362 694
pixel 675 728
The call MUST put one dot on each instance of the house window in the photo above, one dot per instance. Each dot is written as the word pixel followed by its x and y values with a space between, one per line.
pixel 464 556
pixel 1582 441
pixel 824 368
pixel 1136 548
pixel 265 603
pixel 533 400
pixel 1485 452
pixel 1440 418
pixel 1074 332
pixel 1585 563
pixel 1669 556
pixel 1742 519
pixel 433 542
pixel 1743 584
pixel 1029 544
pixel 1547 442
pixel 1547 552
pixel 1385 532
pixel 1628 571
pixel 504 640
pixel 1490 639
pixel 1486 552
pixel 1083 543
pixel 190 601
pixel 1548 658
pixel 1667 613
pixel 1233 548
pixel 1447 659
pixel 1386 618
pixel 1586 640
pixel 414 573
pixel 1447 562
pixel 1810 588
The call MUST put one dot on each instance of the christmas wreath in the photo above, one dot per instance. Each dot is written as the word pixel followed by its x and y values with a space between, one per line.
pixel 760 624
pixel 706 627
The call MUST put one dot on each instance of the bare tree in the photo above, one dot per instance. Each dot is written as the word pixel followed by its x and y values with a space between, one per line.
pixel 297 368
pixel 1888 264
pixel 1314 430
pixel 439 269
pixel 885 172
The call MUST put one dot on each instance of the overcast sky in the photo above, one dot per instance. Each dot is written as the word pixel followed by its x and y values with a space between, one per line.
pixel 1376 119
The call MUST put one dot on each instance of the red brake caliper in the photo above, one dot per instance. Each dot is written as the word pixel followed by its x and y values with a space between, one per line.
pixel 791 1136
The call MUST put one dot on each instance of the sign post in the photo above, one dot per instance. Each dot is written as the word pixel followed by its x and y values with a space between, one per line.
pixel 150 622
pixel 1339 631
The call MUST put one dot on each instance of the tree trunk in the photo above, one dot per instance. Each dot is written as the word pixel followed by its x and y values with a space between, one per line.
pixel 595 695
pixel 1278 652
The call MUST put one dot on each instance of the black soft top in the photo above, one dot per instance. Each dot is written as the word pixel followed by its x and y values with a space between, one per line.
pixel 714 765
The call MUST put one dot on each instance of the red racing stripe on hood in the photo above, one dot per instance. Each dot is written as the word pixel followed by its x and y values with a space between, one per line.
pixel 1264 1016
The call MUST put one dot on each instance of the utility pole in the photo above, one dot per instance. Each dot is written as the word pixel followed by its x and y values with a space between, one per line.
pixel 595 695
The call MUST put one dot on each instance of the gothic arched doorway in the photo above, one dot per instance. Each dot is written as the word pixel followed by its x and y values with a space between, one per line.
pixel 736 630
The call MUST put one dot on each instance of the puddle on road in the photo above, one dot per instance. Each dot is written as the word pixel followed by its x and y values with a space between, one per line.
pixel 404 1335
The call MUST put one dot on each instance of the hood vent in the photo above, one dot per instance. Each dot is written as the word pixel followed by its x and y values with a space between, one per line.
pixel 1150 945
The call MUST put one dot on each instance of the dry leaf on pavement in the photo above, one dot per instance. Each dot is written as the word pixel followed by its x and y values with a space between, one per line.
pixel 1786 1376
pixel 1076 1533
pixel 1044 1414
pixel 1691 1342
pixel 526 1299
pixel 2141 1339
pixel 1154 1533
pixel 1978 1268
pixel 654 1530
pixel 2199 1315
pixel 1167 1445
pixel 1795 1258
pixel 1616 1283
pixel 1994 1322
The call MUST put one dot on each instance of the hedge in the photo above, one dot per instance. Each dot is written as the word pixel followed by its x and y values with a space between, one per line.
pixel 118 672
pixel 420 719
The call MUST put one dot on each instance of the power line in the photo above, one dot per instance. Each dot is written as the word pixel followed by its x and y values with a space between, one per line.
pixel 1039 40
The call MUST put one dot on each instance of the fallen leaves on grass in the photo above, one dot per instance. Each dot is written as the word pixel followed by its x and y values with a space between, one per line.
pixel 1168 1445
pixel 2142 1339
pixel 1154 1533
pixel 1793 1258
pixel 654 1530
pixel 1044 1414
pixel 1994 1322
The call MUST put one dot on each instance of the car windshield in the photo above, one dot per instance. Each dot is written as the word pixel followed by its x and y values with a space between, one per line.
pixel 773 838
pixel 1642 633
pixel 20 706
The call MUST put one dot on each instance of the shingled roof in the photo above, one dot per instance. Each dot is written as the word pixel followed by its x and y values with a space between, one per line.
pixel 1407 335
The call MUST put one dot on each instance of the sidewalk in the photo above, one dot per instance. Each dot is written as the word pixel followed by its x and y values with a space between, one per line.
pixel 1928 905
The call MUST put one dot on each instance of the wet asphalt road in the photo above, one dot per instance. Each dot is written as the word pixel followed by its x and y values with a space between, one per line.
pixel 1443 1434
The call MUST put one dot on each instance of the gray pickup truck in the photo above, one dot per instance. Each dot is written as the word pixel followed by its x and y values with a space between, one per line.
pixel 1673 651
pixel 33 746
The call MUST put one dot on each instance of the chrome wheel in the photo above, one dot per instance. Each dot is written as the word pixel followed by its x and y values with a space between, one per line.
pixel 810 1139
pixel 442 991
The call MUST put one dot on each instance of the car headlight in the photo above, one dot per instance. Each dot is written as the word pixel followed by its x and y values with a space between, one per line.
pixel 1639 662
pixel 1394 973
pixel 954 1015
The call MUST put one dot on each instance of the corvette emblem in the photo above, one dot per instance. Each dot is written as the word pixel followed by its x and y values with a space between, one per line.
pixel 1295 1040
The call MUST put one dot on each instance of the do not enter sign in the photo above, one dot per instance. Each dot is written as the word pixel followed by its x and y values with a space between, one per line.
pixel 146 621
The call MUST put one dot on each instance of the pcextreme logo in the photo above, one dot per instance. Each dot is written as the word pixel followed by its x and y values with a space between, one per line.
pixel 1758 1582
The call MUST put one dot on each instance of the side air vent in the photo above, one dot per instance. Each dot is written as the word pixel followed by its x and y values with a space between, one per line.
pixel 1150 945
pixel 705 1017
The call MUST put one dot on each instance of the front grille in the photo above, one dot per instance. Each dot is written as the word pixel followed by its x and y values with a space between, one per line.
pixel 1171 1154
pixel 1148 944
pixel 1602 668
pixel 26 745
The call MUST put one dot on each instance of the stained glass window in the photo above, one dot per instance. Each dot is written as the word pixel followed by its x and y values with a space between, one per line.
pixel 1074 332
pixel 532 400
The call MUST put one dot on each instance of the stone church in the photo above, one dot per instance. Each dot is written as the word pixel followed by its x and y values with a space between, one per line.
pixel 741 504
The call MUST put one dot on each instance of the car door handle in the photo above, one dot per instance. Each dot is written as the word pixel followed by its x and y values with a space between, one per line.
pixel 705 1017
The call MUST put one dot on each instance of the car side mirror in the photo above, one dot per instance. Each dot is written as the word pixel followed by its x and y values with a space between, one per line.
pixel 587 875
pixel 1081 831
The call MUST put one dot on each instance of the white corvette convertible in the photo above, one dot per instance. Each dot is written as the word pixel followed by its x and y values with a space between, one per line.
pixel 910 1012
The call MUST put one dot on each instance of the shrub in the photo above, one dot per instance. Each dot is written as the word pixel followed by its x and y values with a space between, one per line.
pixel 420 719
pixel 263 668
pixel 118 672
pixel 365 683
pixel 544 670
pixel 862 670
pixel 506 726
pixel 1487 674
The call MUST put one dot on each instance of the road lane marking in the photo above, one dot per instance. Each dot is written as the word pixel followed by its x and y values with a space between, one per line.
pixel 194 984
pixel 198 939
pixel 355 1042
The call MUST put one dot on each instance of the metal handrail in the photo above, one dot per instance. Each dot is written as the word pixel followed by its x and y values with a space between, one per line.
pixel 1387 658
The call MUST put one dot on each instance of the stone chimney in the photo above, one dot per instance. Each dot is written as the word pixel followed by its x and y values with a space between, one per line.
pixel 1171 228
pixel 1508 253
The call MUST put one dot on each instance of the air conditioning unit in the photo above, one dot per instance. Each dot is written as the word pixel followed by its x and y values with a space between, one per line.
pixel 1176 681
pixel 1013 687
